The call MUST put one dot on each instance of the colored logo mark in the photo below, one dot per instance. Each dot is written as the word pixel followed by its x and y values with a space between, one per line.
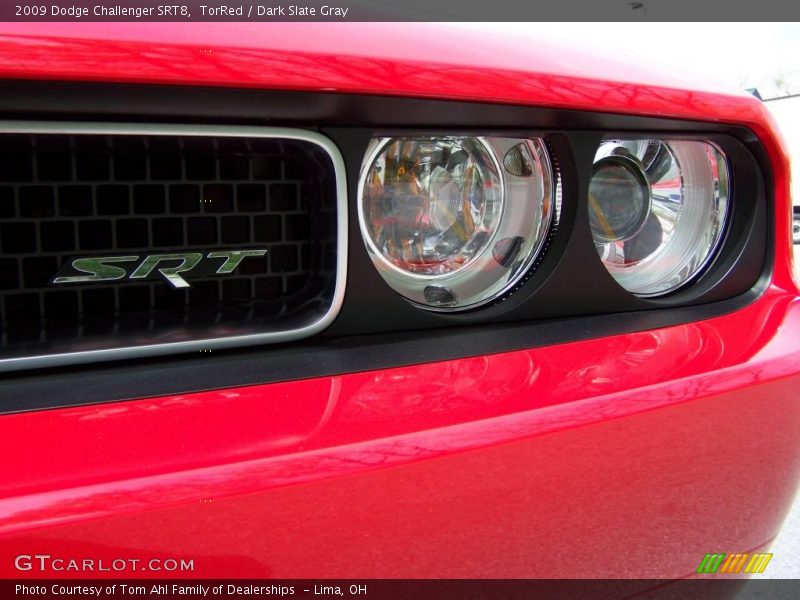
pixel 734 563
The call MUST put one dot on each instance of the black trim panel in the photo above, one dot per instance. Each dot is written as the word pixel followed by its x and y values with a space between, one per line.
pixel 331 356
pixel 376 328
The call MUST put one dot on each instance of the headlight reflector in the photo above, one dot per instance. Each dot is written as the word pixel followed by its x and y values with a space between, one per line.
pixel 657 210
pixel 453 222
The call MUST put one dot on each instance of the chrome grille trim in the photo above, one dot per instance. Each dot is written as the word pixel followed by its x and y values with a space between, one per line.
pixel 197 345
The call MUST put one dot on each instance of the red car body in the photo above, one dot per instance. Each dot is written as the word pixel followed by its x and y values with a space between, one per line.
pixel 630 455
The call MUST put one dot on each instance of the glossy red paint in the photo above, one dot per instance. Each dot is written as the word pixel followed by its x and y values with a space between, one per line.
pixel 433 61
pixel 560 461
pixel 535 463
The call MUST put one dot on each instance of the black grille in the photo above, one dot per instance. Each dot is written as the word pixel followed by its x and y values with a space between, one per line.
pixel 69 196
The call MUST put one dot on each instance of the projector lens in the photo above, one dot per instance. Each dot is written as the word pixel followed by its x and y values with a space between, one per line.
pixel 657 210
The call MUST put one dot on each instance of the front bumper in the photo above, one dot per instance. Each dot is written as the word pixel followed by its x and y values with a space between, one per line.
pixel 623 456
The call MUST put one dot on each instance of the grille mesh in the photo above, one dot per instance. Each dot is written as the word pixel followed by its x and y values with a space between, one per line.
pixel 68 196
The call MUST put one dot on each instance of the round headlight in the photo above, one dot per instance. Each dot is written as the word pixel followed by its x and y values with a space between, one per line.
pixel 657 210
pixel 453 222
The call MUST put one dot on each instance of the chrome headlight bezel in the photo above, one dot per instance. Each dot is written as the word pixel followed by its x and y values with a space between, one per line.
pixel 674 234
pixel 510 250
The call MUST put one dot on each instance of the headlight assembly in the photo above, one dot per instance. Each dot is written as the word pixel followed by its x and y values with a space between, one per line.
pixel 454 222
pixel 657 210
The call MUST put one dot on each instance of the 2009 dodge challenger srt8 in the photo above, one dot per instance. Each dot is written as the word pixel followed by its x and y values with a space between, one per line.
pixel 302 300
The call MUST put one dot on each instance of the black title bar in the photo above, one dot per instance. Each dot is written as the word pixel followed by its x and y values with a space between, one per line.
pixel 394 10
pixel 397 589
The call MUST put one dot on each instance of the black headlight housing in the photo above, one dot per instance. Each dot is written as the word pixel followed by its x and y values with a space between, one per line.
pixel 566 293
